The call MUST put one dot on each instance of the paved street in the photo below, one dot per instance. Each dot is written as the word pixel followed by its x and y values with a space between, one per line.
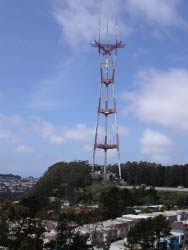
pixel 167 189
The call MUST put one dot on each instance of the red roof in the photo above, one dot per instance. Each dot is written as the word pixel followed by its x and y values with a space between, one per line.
pixel 178 225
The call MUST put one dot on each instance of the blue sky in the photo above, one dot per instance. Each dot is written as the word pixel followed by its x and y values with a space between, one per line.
pixel 49 81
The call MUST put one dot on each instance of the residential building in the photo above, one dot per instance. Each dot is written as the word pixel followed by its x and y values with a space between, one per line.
pixel 180 229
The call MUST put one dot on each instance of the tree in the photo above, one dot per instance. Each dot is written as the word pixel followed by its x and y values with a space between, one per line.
pixel 63 180
pixel 110 201
pixel 69 237
pixel 113 201
pixel 50 245
pixel 3 230
pixel 152 174
pixel 30 243
pixel 160 228
pixel 28 231
pixel 146 232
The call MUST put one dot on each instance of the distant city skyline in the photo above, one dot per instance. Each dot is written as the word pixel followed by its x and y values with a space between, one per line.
pixel 49 81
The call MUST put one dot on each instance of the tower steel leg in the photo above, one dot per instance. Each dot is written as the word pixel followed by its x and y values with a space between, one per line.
pixel 97 127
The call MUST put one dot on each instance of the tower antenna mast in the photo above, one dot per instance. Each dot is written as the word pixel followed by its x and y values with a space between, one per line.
pixel 107 54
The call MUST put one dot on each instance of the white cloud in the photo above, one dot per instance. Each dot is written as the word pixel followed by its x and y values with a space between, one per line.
pixel 157 12
pixel 10 128
pixel 9 135
pixel 156 146
pixel 13 129
pixel 56 139
pixel 24 149
pixel 11 120
pixel 5 134
pixel 161 98
pixel 35 127
pixel 59 135
pixel 154 142
pixel 46 128
pixel 79 132
pixel 79 18
pixel 49 131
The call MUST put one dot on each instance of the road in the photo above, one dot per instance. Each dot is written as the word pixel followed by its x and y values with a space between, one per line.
pixel 165 189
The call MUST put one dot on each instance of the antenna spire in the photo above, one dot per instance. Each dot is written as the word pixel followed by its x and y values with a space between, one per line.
pixel 99 32
pixel 116 30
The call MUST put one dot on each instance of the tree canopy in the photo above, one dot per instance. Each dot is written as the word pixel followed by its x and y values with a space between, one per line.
pixel 147 232
pixel 62 180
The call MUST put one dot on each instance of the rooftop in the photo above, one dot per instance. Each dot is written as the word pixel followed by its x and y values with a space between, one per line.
pixel 178 225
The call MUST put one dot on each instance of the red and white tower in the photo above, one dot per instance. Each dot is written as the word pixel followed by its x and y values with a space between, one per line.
pixel 107 110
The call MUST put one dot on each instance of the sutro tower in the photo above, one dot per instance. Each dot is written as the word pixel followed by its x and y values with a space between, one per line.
pixel 107 100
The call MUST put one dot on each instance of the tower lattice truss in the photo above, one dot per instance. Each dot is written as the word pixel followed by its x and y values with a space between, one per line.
pixel 106 135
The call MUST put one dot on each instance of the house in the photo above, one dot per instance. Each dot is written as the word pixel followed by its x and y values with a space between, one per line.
pixel 171 242
pixel 118 245
pixel 49 236
pixel 108 231
pixel 180 229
